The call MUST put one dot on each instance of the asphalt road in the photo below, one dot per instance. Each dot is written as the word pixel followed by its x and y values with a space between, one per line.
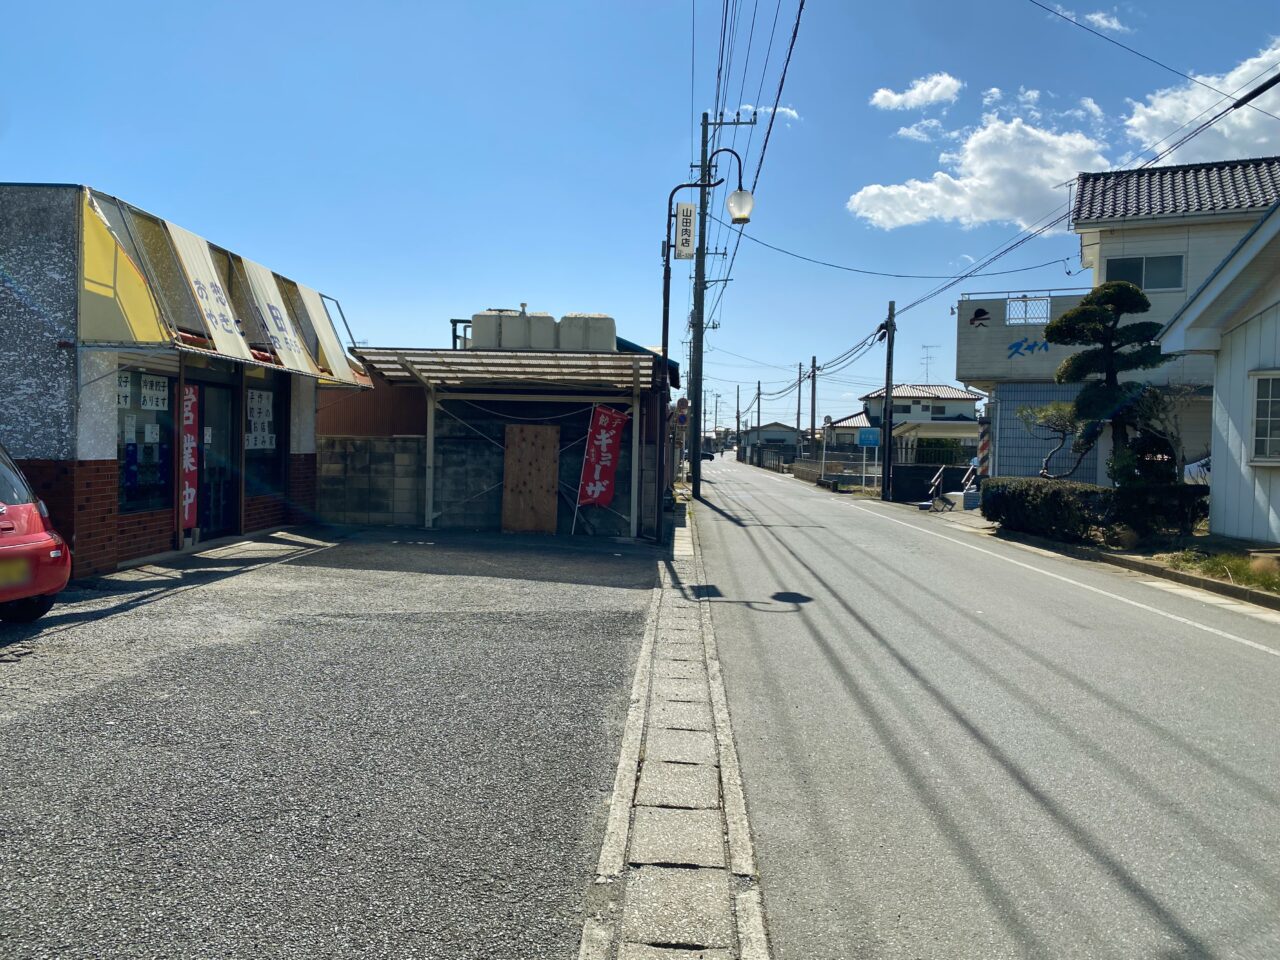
pixel 389 747
pixel 953 747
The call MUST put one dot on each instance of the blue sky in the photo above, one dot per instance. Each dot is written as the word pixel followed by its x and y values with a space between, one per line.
pixel 421 161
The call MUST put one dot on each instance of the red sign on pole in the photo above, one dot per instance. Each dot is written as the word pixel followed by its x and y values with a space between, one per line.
pixel 190 403
pixel 600 462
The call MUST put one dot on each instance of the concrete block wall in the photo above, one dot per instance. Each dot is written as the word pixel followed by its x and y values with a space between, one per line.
pixel 370 480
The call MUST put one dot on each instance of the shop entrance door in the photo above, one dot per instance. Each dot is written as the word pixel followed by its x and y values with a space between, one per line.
pixel 219 470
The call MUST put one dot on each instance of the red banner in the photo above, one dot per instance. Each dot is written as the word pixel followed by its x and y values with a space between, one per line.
pixel 190 438
pixel 600 462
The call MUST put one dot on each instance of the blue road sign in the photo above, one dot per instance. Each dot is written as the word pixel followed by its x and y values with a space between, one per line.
pixel 868 436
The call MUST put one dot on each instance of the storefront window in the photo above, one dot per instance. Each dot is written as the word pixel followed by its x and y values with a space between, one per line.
pixel 264 440
pixel 144 440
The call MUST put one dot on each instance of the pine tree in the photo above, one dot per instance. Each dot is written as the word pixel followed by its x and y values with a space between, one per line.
pixel 1115 348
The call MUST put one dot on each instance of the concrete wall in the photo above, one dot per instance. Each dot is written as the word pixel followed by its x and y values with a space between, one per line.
pixel 986 352
pixel 39 269
pixel 1245 498
pixel 370 480
pixel 302 415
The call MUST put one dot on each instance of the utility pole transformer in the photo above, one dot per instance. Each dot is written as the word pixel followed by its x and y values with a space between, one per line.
pixel 886 422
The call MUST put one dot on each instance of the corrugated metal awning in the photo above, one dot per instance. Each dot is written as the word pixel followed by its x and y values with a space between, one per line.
pixel 524 369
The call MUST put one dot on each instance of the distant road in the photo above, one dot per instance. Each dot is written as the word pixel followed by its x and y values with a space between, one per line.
pixel 954 747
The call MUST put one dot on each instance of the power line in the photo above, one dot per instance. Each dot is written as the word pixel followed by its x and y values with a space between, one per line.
pixel 882 273
pixel 1182 141
pixel 1138 53
pixel 764 146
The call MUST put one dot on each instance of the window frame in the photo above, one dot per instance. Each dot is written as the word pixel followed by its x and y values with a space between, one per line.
pixel 163 465
pixel 1182 270
pixel 1254 459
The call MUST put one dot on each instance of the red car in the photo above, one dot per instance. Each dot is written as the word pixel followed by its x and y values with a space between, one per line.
pixel 35 562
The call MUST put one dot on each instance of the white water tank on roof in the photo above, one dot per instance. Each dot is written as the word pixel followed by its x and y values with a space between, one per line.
pixel 588 332
pixel 486 329
pixel 544 333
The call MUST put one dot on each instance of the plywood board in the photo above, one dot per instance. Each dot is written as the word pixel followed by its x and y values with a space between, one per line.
pixel 531 474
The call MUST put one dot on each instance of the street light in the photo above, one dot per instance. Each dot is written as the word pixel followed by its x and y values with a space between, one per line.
pixel 739 205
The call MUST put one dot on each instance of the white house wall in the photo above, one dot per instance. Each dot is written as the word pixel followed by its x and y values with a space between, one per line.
pixel 1245 499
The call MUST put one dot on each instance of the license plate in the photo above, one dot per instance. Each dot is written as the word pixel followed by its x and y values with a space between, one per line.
pixel 14 573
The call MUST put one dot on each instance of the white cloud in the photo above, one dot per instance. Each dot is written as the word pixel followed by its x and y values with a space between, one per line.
pixel 788 112
pixel 1009 167
pixel 1241 133
pixel 1107 21
pixel 923 130
pixel 991 95
pixel 935 88
pixel 1006 171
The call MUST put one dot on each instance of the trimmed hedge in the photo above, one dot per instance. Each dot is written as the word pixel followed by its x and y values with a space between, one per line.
pixel 1157 507
pixel 1061 509
pixel 1069 510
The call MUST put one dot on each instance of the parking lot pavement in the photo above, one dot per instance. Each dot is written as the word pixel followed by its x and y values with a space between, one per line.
pixel 397 744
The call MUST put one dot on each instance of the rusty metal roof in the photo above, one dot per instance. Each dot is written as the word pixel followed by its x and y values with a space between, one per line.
pixel 523 369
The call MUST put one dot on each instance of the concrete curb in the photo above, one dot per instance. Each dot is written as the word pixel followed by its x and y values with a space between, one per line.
pixel 1151 568
pixel 1141 565
pixel 676 874
pixel 753 942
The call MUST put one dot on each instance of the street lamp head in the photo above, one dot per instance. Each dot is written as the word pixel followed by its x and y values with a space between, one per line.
pixel 740 203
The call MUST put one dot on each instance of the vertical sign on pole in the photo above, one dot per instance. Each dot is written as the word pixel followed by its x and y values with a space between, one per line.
pixel 190 404
pixel 686 231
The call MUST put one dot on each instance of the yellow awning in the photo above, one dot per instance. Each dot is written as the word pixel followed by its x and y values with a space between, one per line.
pixel 116 304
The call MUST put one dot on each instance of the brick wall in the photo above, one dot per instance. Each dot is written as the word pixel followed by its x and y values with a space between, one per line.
pixel 302 488
pixel 93 544
pixel 265 512
pixel 144 533
pixel 54 482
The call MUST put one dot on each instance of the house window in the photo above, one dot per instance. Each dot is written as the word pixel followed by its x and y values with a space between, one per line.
pixel 1266 421
pixel 939 408
pixel 1148 273
pixel 902 408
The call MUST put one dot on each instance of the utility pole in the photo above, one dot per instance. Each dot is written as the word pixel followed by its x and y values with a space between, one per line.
pixel 737 418
pixel 799 382
pixel 886 422
pixel 813 401
pixel 757 411
pixel 715 422
pixel 699 306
